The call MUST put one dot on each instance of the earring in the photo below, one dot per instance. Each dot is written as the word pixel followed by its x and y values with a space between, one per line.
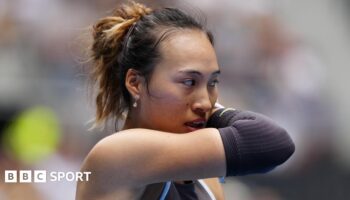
pixel 135 102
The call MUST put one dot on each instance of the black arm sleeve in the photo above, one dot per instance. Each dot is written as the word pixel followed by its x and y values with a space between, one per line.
pixel 253 143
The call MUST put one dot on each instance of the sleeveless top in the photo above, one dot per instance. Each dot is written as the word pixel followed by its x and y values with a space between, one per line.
pixel 197 190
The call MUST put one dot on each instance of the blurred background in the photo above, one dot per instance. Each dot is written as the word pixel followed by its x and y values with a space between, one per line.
pixel 288 59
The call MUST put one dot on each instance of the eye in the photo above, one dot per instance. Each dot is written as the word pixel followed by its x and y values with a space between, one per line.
pixel 213 83
pixel 189 82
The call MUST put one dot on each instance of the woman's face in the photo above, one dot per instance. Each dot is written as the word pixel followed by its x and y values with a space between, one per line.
pixel 183 86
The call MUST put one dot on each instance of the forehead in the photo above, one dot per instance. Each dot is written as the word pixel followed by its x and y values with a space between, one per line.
pixel 187 49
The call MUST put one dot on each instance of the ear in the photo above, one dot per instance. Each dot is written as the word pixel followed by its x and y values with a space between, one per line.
pixel 133 82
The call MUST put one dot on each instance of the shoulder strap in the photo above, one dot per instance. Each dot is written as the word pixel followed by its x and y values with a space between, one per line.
pixel 165 190
pixel 206 188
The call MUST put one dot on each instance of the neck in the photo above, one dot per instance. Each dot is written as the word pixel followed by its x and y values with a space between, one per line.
pixel 131 120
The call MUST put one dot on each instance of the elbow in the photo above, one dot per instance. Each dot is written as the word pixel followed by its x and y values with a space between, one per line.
pixel 281 149
pixel 276 152
pixel 287 147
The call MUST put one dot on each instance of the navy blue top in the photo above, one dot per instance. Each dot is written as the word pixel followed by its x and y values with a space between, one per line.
pixel 197 190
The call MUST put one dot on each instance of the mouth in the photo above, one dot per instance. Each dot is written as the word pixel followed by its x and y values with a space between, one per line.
pixel 196 124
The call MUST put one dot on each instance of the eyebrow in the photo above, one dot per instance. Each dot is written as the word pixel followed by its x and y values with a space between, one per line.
pixel 195 72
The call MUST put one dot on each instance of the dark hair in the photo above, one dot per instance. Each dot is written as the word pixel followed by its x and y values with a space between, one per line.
pixel 129 39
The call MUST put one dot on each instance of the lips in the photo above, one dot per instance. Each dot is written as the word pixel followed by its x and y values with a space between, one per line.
pixel 196 124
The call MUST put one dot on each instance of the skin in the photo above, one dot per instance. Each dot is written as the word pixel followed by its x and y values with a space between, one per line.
pixel 156 145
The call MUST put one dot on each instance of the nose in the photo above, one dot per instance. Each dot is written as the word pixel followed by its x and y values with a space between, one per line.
pixel 202 103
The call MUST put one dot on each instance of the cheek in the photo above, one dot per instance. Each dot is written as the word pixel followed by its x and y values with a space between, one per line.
pixel 166 101
pixel 164 92
pixel 164 111
pixel 169 100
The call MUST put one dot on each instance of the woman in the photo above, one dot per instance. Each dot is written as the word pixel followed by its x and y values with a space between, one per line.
pixel 161 67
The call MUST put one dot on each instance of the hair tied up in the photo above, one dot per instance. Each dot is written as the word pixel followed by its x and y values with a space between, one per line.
pixel 108 34
pixel 126 42
pixel 123 19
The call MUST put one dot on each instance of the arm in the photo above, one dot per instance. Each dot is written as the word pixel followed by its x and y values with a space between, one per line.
pixel 244 143
pixel 138 157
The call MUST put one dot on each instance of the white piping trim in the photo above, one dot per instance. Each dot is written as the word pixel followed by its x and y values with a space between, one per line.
pixel 206 188
pixel 227 109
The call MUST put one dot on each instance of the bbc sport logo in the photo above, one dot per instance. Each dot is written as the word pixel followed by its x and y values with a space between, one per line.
pixel 42 176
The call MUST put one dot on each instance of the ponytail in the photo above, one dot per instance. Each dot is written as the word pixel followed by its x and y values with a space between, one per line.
pixel 108 35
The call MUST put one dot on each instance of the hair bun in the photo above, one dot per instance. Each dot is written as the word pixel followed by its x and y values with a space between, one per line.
pixel 133 11
pixel 108 32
